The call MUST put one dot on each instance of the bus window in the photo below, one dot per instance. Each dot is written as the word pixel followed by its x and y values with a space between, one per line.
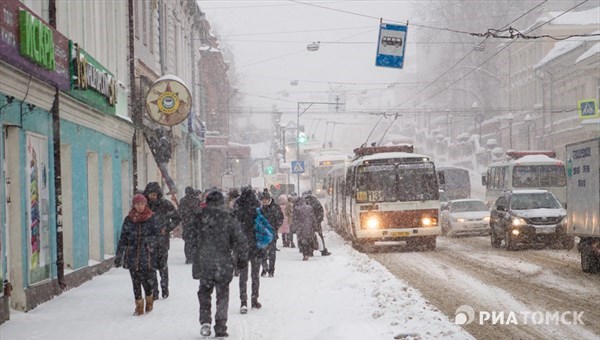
pixel 532 176
pixel 374 183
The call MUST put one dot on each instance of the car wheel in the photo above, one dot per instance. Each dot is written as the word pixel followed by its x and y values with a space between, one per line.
pixel 495 240
pixel 509 243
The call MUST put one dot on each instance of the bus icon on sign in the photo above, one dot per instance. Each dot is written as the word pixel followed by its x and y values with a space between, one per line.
pixel 393 41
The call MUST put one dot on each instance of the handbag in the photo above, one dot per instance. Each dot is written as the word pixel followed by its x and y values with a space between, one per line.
pixel 263 230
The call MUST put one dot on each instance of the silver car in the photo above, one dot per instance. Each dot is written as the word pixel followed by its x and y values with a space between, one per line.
pixel 465 216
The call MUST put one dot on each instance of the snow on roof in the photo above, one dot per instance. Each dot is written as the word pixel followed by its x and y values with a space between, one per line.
pixel 260 150
pixel 562 47
pixel 590 52
pixel 587 17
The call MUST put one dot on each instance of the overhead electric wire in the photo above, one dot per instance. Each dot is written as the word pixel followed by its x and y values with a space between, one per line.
pixel 463 58
pixel 500 50
pixel 304 31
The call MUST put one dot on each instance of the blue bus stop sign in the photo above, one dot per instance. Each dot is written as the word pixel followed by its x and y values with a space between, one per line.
pixel 391 45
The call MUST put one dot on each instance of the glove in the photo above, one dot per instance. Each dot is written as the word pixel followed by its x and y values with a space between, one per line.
pixel 242 264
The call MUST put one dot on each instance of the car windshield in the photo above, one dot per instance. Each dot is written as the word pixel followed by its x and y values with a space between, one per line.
pixel 465 206
pixel 534 201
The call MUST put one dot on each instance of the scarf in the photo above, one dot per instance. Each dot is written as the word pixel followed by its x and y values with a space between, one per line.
pixel 143 216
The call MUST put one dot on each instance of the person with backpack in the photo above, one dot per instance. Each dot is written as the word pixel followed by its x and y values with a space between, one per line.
pixel 136 251
pixel 274 215
pixel 167 219
pixel 246 210
pixel 218 235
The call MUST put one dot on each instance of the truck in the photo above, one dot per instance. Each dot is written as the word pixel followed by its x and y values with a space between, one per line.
pixel 583 200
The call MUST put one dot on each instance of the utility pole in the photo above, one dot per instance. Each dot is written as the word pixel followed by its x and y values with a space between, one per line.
pixel 135 116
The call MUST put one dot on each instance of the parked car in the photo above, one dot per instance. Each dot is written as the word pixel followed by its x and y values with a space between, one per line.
pixel 529 216
pixel 465 216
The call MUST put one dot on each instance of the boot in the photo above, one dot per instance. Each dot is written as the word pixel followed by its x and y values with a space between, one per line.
pixel 139 307
pixel 149 303
pixel 255 303
pixel 205 330
pixel 325 252
pixel 244 308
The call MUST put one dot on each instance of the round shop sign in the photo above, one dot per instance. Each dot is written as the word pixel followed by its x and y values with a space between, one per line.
pixel 168 101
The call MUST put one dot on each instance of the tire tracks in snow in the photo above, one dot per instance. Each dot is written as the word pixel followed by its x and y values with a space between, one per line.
pixel 449 278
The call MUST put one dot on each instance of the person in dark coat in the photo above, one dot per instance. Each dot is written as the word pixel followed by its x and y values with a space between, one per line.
pixel 218 235
pixel 167 219
pixel 319 215
pixel 136 251
pixel 273 213
pixel 187 208
pixel 245 211
pixel 303 222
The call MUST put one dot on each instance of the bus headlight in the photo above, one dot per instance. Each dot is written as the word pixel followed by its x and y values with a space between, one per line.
pixel 516 221
pixel 373 222
pixel 427 221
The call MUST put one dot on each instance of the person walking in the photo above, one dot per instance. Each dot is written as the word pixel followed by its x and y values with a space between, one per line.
pixel 218 235
pixel 319 215
pixel 136 251
pixel 187 208
pixel 303 222
pixel 246 212
pixel 284 230
pixel 167 219
pixel 274 215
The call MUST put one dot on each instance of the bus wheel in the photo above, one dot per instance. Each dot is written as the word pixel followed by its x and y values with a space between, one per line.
pixel 589 262
pixel 430 243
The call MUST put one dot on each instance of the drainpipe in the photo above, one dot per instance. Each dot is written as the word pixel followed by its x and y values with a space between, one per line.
pixel 60 260
pixel 133 95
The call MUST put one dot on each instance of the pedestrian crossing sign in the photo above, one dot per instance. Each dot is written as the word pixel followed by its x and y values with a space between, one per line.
pixel 297 167
pixel 588 108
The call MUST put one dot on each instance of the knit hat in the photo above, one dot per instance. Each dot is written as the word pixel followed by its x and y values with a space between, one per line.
pixel 265 195
pixel 139 198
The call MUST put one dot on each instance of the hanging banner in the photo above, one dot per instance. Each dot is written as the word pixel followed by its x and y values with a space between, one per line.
pixel 168 101
pixel 391 45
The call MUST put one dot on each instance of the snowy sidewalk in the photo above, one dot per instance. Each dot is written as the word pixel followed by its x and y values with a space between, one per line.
pixel 343 296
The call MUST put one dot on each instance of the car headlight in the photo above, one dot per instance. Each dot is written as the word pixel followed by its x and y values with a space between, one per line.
pixel 486 219
pixel 563 222
pixel 373 222
pixel 516 221
pixel 460 220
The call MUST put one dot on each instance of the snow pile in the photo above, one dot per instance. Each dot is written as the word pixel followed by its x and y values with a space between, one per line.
pixel 590 52
pixel 563 47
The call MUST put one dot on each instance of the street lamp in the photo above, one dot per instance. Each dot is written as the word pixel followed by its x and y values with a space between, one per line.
pixel 477 117
pixel 529 120
pixel 510 118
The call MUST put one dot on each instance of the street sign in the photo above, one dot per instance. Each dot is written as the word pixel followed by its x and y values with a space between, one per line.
pixel 391 45
pixel 297 167
pixel 588 108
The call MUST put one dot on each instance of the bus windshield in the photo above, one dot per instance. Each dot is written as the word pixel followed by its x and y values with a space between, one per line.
pixel 536 176
pixel 388 182
pixel 375 183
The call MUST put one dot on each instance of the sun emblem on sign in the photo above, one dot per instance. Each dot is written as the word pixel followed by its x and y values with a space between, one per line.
pixel 168 101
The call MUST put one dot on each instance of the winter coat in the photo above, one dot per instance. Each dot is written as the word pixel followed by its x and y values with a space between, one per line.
pixel 303 220
pixel 187 209
pixel 167 219
pixel 283 204
pixel 245 211
pixel 273 214
pixel 137 245
pixel 218 235
pixel 314 203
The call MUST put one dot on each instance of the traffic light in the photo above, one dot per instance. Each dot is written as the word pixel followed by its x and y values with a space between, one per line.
pixel 301 138
pixel 269 170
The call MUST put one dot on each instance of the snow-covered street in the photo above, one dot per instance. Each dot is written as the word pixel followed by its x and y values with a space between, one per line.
pixel 468 271
pixel 343 296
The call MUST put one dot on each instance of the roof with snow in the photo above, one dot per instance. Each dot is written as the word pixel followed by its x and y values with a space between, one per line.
pixel 590 52
pixel 563 47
